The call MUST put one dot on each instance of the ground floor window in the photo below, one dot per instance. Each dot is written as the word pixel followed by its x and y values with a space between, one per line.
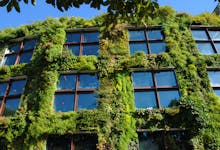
pixel 75 142
pixel 161 140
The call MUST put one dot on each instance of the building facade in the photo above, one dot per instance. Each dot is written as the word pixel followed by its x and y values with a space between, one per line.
pixel 81 84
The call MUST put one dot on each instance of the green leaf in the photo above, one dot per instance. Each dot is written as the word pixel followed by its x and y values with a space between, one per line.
pixel 4 3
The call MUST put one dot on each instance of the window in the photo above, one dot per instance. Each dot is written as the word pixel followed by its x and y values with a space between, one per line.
pixel 76 142
pixel 76 92
pixel 83 43
pixel 10 93
pixel 19 52
pixel 151 41
pixel 207 39
pixel 155 89
pixel 214 77
pixel 164 140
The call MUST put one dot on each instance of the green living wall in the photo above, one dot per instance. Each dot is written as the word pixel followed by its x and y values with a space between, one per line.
pixel 115 120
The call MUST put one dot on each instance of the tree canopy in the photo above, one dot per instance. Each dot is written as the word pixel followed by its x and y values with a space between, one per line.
pixel 122 8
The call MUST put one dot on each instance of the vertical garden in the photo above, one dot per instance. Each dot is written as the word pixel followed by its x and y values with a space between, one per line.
pixel 115 121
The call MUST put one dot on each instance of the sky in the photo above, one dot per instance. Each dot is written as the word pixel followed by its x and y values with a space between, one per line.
pixel 29 14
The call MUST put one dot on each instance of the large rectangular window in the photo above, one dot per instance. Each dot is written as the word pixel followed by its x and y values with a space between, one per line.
pixel 151 41
pixel 19 52
pixel 76 92
pixel 10 93
pixel 161 140
pixel 76 142
pixel 207 39
pixel 83 43
pixel 155 89
pixel 214 77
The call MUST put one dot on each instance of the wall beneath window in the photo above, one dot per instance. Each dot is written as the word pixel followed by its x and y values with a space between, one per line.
pixel 115 120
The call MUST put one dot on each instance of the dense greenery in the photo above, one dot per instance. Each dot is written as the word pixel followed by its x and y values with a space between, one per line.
pixel 116 120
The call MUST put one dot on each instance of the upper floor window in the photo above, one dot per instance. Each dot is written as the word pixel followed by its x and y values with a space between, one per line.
pixel 10 93
pixel 164 140
pixel 151 41
pixel 76 142
pixel 76 92
pixel 207 40
pixel 19 52
pixel 83 43
pixel 214 77
pixel 155 89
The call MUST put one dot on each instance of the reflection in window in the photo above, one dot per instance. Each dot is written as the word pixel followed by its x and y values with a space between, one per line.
pixel 161 140
pixel 86 43
pixel 207 39
pixel 145 99
pixel 153 43
pixel 64 102
pixel 10 93
pixel 20 52
pixel 214 77
pixel 76 142
pixel 155 89
pixel 76 92
pixel 205 48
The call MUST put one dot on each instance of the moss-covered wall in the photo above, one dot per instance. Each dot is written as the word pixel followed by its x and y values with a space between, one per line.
pixel 115 120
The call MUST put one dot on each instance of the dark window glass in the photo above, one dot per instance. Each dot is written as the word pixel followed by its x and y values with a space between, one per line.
pixel 11 106
pixel 9 60
pixel 15 47
pixel 217 46
pixel 158 47
pixel 169 98
pixel 75 49
pixel 145 99
pixel 85 142
pixel 205 48
pixel 58 143
pixel 149 141
pixel 217 92
pixel 3 87
pixel 199 35
pixel 136 35
pixel 30 44
pixel 142 79
pixel 214 77
pixel 154 34
pixel 64 102
pixel 67 82
pixel 166 79
pixel 87 101
pixel 215 35
pixel 135 47
pixel 17 87
pixel 73 37
pixel 91 37
pixel 25 57
pixel 90 50
pixel 88 81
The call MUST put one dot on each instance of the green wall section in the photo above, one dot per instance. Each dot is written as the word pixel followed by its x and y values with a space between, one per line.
pixel 115 120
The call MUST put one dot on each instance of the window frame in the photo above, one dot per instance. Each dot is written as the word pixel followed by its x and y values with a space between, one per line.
pixel 18 54
pixel 82 43
pixel 77 89
pixel 213 87
pixel 147 41
pixel 163 133
pixel 209 40
pixel 155 88
pixel 6 93
pixel 72 137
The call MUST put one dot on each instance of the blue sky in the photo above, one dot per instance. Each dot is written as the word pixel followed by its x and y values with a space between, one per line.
pixel 41 11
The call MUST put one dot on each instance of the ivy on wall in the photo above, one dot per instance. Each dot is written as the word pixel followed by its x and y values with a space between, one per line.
pixel 116 120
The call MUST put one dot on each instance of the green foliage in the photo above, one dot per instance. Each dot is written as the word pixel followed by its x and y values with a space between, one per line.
pixel 115 120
